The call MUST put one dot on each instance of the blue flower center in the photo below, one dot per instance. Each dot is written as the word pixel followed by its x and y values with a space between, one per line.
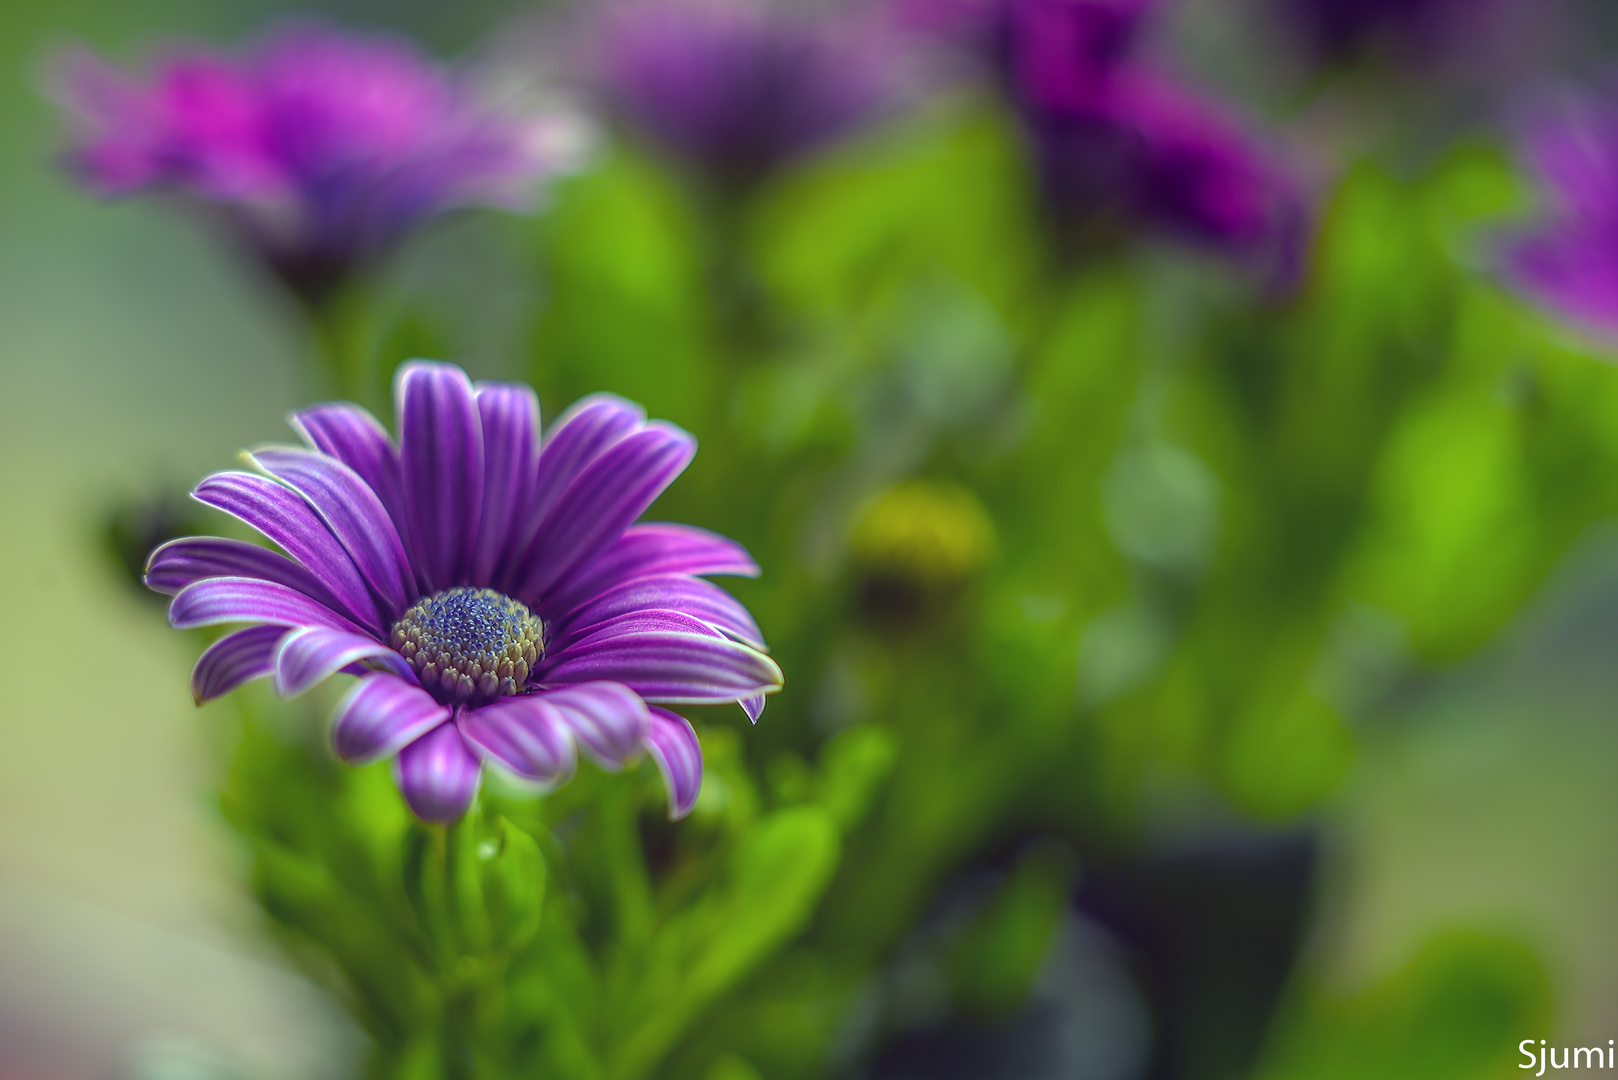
pixel 470 645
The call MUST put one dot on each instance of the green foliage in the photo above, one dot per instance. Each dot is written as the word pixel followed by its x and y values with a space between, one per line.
pixel 1455 1012
pixel 995 960
pixel 530 936
pixel 1210 528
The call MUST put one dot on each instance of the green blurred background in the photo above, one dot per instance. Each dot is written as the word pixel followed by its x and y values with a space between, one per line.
pixel 137 354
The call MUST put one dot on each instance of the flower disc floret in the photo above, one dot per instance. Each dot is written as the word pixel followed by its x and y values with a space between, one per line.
pixel 470 645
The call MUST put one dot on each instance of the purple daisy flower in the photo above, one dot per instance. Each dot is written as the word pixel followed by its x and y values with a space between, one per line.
pixel 488 586
pixel 320 148
pixel 1148 150
pixel 737 87
pixel 1116 140
pixel 1570 263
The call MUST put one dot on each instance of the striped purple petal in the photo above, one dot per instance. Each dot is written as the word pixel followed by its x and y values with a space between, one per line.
pixel 608 719
pixel 601 502
pixel 310 656
pixel 673 745
pixel 438 775
pixel 441 449
pixel 357 439
pixel 526 735
pixel 653 548
pixel 190 559
pixel 662 592
pixel 285 519
pixel 580 435
pixel 664 656
pixel 380 715
pixel 353 513
pixel 233 599
pixel 237 658
pixel 753 707
pixel 509 415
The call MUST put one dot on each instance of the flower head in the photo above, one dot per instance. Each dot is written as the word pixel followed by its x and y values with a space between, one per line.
pixel 1147 150
pixel 487 585
pixel 737 87
pixel 915 546
pixel 1570 262
pixel 321 148
pixel 1116 140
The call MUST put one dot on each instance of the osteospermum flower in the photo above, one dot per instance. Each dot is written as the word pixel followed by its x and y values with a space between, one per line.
pixel 320 148
pixel 1117 141
pixel 1570 261
pixel 488 586
pixel 737 87
pixel 1152 152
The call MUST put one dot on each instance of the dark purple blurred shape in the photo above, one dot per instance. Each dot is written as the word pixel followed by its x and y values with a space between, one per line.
pixel 321 148
pixel 1336 28
pixel 735 88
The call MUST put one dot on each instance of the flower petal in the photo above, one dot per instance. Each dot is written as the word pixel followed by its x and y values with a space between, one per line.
pixel 664 656
pixel 190 559
pixel 1571 269
pixel 438 775
pixel 509 414
pixel 380 715
pixel 663 592
pixel 441 449
pixel 357 439
pixel 285 519
pixel 234 659
pixel 580 435
pixel 353 513
pixel 673 745
pixel 609 720
pixel 601 502
pixel 653 548
pixel 524 734
pixel 753 707
pixel 312 655
pixel 235 599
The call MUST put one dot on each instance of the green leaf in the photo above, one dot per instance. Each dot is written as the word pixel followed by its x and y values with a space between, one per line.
pixel 513 881
pixel 1455 1012
pixel 996 959
pixel 853 765
pixel 766 894
pixel 1287 751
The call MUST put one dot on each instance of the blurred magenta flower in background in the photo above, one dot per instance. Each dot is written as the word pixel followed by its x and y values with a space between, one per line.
pixel 1337 28
pixel 1116 139
pixel 1570 262
pixel 489 588
pixel 737 87
pixel 322 148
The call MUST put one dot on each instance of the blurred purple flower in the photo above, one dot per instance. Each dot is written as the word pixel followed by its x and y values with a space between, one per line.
pixel 737 87
pixel 1570 263
pixel 321 148
pixel 1148 150
pixel 1116 140
pixel 1335 28
pixel 486 585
